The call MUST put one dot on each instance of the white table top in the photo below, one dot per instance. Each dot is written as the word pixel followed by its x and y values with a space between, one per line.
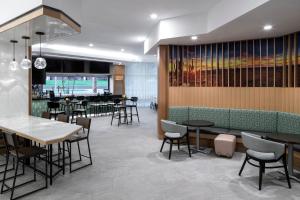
pixel 43 131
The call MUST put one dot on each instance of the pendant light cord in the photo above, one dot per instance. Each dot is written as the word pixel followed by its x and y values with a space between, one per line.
pixel 40 46
pixel 14 59
pixel 25 48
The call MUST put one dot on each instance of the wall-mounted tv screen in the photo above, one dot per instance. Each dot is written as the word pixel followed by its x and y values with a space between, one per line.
pixel 99 67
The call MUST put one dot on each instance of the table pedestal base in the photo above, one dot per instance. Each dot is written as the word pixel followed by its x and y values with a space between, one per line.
pixel 200 150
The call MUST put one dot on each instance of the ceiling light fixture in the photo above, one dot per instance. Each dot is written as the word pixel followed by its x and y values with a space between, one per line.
pixel 26 63
pixel 91 45
pixel 13 65
pixel 153 16
pixel 141 39
pixel 268 27
pixel 194 37
pixel 122 50
pixel 40 62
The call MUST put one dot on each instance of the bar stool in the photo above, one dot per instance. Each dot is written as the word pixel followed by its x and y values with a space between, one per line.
pixel 53 109
pixel 21 154
pixel 82 109
pixel 131 107
pixel 119 112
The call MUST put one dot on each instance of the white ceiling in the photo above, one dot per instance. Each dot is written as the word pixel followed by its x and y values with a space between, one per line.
pixel 116 24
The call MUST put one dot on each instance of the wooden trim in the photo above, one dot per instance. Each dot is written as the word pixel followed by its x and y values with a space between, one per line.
pixel 30 83
pixel 163 87
pixel 295 60
pixel 37 12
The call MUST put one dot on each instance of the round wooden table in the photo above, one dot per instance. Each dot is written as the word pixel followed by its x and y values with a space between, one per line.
pixel 197 124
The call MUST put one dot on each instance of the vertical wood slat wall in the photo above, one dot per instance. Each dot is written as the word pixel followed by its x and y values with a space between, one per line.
pixel 273 62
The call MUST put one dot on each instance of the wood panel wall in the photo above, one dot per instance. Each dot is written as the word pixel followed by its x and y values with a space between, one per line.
pixel 277 99
pixel 163 88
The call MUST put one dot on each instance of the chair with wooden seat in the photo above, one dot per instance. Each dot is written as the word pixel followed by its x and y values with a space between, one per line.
pixel 46 115
pixel 77 138
pixel 174 132
pixel 119 112
pixel 21 154
pixel 54 109
pixel 263 152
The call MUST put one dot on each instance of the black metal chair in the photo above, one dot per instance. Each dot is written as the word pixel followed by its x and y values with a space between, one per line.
pixel 264 151
pixel 21 153
pixel 53 109
pixel 119 112
pixel 76 138
pixel 132 106
pixel 175 132
pixel 80 109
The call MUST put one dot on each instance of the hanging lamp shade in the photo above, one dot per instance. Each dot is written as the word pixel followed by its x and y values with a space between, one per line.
pixel 40 62
pixel 26 63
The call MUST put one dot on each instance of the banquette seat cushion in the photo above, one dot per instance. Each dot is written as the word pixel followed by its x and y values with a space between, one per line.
pixel 219 116
pixel 288 123
pixel 234 121
pixel 253 120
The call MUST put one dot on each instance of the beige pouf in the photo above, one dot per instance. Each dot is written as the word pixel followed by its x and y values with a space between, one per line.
pixel 225 145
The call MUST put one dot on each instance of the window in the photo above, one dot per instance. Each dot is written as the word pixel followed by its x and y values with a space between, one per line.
pixel 76 84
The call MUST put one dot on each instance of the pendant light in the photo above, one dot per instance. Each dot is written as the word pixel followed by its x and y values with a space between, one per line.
pixel 26 63
pixel 40 62
pixel 13 65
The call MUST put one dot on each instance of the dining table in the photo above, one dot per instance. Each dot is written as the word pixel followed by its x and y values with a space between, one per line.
pixel 290 140
pixel 197 124
pixel 42 131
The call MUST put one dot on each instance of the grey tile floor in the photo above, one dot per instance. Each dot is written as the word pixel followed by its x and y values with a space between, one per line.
pixel 128 166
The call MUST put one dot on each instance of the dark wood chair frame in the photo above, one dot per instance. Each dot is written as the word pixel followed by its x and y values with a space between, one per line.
pixel 171 140
pixel 69 142
pixel 262 167
pixel 12 145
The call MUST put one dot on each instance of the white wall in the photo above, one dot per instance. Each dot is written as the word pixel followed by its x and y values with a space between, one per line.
pixel 13 84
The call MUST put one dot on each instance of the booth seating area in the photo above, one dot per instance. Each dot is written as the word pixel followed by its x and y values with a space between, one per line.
pixel 235 121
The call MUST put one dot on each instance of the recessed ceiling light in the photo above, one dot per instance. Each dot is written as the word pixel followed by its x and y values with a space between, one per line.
pixel 268 27
pixel 122 50
pixel 153 16
pixel 141 39
pixel 194 37
pixel 91 45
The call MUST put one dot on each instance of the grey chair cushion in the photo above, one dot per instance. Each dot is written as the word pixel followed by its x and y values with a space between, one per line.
pixel 260 155
pixel 173 135
pixel 214 130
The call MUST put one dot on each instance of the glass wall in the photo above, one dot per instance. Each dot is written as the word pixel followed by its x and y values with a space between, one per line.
pixel 70 84
pixel 141 82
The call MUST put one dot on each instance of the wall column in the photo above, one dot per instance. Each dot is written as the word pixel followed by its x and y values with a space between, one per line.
pixel 163 87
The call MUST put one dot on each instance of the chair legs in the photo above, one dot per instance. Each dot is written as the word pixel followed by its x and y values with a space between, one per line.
pixel 162 146
pixel 242 168
pixel 178 145
pixel 262 168
pixel 170 152
pixel 80 156
pixel 286 171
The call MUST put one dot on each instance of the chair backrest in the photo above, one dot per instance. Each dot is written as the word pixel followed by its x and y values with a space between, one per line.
pixel 52 105
pixel 11 141
pixel 256 143
pixel 46 115
pixel 84 103
pixel 85 123
pixel 80 98
pixel 63 118
pixel 172 127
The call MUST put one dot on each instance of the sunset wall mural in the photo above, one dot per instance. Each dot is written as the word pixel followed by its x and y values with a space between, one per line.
pixel 268 62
